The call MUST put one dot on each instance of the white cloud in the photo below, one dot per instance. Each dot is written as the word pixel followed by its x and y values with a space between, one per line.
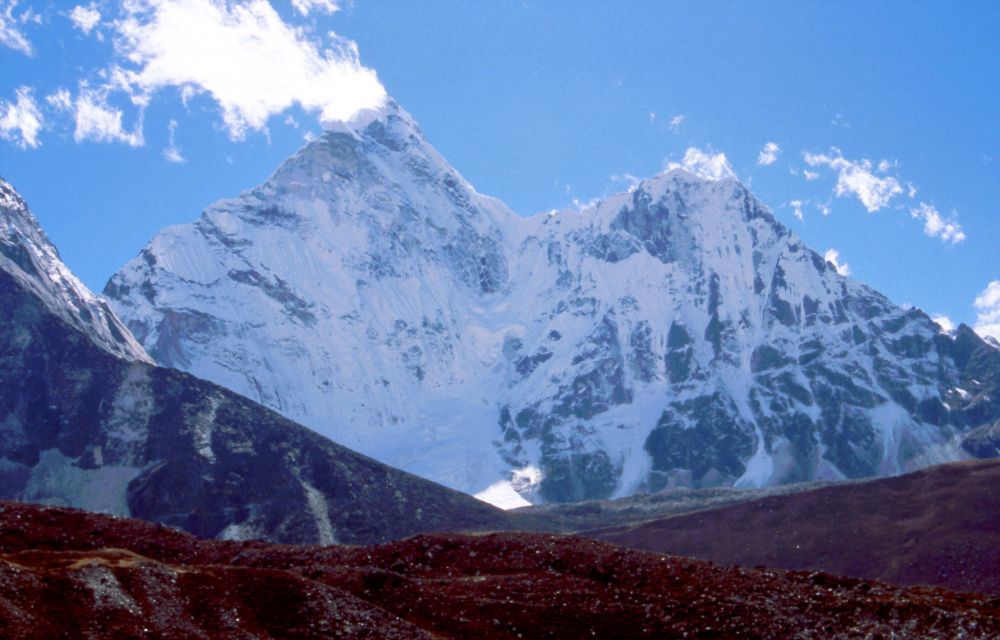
pixel 833 257
pixel 809 175
pixel 630 180
pixel 61 100
pixel 676 122
pixel 768 154
pixel 705 165
pixel 245 57
pixel 85 18
pixel 20 121
pixel 580 205
pixel 323 6
pixel 936 226
pixel 652 117
pixel 797 208
pixel 172 153
pixel 824 208
pixel 98 121
pixel 987 306
pixel 884 165
pixel 856 178
pixel 10 31
pixel 944 322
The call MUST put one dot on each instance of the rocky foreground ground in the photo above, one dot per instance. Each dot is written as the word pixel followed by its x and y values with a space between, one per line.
pixel 66 573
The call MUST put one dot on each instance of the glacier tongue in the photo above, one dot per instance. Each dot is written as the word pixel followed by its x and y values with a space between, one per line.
pixel 672 335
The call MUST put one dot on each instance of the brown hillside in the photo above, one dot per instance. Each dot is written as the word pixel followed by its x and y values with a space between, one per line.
pixel 939 526
pixel 66 573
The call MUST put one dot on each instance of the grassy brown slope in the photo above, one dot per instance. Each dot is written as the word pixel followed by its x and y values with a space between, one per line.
pixel 939 526
pixel 571 517
pixel 67 573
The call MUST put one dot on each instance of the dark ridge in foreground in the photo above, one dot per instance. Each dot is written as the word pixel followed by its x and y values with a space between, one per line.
pixel 939 526
pixel 67 573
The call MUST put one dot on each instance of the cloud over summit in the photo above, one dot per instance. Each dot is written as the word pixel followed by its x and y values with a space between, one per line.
pixel 245 57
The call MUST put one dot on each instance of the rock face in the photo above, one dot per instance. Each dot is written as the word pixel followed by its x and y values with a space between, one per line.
pixel 30 260
pixel 675 335
pixel 71 574
pixel 87 421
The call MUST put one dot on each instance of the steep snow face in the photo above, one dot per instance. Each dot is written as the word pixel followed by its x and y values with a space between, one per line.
pixel 28 256
pixel 350 292
pixel 672 335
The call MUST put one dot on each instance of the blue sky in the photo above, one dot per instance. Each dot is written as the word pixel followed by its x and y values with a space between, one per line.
pixel 885 117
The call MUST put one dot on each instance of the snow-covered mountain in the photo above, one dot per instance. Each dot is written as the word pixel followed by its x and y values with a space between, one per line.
pixel 676 334
pixel 87 421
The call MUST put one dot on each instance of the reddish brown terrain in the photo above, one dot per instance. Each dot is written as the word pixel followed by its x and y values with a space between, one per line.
pixel 66 573
pixel 939 526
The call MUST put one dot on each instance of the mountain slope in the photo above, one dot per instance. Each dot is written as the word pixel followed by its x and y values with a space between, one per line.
pixel 938 526
pixel 674 335
pixel 80 426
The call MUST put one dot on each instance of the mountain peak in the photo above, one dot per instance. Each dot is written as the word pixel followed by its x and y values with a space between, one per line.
pixel 389 114
pixel 27 255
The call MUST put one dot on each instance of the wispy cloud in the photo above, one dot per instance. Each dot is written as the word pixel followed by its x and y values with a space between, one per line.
pixel 944 322
pixel 797 208
pixel 172 153
pixel 61 100
pixel 856 178
pixel 987 305
pixel 769 154
pixel 936 225
pixel 884 165
pixel 628 179
pixel 833 257
pixel 98 121
pixel 85 18
pixel 706 165
pixel 809 175
pixel 676 122
pixel 21 120
pixel 11 34
pixel 322 6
